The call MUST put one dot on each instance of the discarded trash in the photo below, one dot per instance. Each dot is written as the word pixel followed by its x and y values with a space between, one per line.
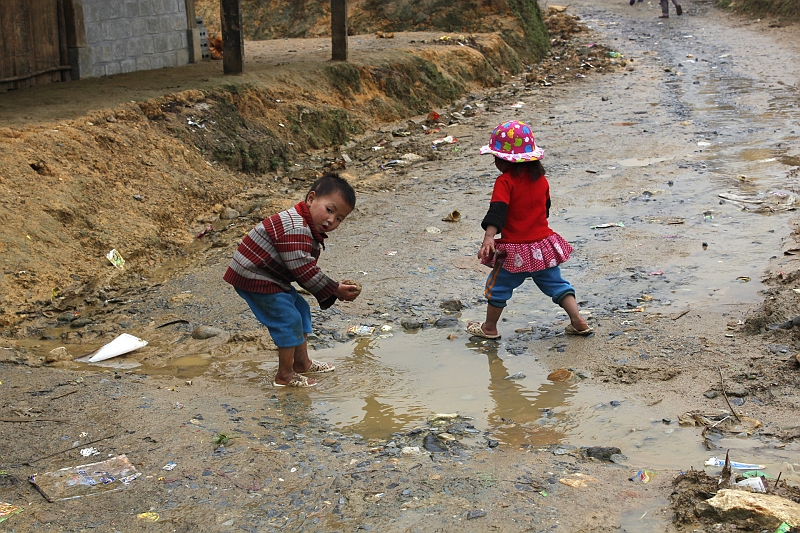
pixel 360 330
pixel 644 475
pixel 613 54
pixel 783 528
pixel 149 516
pixel 433 116
pixel 755 483
pixel 517 105
pixel 7 511
pixel 391 252
pixel 705 246
pixel 169 466
pixel 116 259
pixel 453 216
pixel 656 273
pixel 757 473
pixel 445 140
pixel 518 375
pixel 634 310
pixel 410 451
pixel 743 279
pixel 392 163
pixel 386 327
pixel 608 225
pixel 86 480
pixel 432 229
pixel 121 345
pixel 208 229
pixel 88 452
pixel 739 466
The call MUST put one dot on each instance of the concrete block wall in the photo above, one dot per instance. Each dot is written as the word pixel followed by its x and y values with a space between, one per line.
pixel 129 35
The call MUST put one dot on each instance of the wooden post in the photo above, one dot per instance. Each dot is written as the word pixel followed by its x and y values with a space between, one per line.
pixel 62 41
pixel 232 39
pixel 339 30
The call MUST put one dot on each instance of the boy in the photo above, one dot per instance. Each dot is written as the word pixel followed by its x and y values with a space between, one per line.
pixel 284 248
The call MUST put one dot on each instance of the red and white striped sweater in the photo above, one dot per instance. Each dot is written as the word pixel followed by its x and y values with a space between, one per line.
pixel 279 250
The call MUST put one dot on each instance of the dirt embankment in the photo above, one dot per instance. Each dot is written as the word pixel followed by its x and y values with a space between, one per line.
pixel 782 9
pixel 145 178
pixel 519 22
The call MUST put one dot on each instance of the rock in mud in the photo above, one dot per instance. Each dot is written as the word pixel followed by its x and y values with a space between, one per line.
pixel 229 214
pixel 518 375
pixel 767 510
pixel 602 453
pixel 58 354
pixel 453 306
pixel 411 323
pixel 446 322
pixel 431 444
pixel 206 332
pixel 736 389
pixel 80 322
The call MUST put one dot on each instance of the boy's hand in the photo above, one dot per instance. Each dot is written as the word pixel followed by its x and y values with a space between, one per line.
pixel 347 292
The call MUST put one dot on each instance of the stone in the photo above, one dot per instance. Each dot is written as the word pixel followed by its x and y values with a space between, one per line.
pixel 453 306
pixel 206 332
pixel 411 451
pixel 711 394
pixel 603 453
pixel 58 354
pixel 736 389
pixel 228 213
pixel 431 444
pixel 475 513
pixel 446 322
pixel 80 322
pixel 767 510
pixel 66 316
pixel 411 323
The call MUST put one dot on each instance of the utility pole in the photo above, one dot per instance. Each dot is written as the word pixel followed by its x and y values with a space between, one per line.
pixel 339 29
pixel 232 38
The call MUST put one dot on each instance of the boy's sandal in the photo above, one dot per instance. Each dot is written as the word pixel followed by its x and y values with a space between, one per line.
pixel 476 330
pixel 318 367
pixel 570 330
pixel 297 381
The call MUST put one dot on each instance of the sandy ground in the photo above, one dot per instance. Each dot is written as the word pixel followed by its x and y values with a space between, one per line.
pixel 681 296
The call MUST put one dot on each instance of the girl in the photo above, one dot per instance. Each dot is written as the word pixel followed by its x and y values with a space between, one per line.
pixel 527 248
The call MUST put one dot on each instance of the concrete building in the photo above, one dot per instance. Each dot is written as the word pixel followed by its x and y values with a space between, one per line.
pixel 58 40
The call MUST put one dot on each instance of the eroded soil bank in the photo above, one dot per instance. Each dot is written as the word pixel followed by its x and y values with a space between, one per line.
pixel 689 117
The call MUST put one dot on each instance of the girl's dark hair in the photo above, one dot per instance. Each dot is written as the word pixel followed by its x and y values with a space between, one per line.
pixel 331 183
pixel 534 169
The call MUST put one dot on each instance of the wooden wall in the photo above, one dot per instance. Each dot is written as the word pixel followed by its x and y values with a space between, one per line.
pixel 29 42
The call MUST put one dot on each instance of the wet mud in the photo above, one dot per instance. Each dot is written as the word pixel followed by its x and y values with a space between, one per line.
pixel 673 178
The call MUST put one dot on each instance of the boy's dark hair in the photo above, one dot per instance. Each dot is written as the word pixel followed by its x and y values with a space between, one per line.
pixel 534 169
pixel 331 183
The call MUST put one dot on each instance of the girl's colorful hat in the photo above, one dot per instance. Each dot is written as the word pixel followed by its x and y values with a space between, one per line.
pixel 513 141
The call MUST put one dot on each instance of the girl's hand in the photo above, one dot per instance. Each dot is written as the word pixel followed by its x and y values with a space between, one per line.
pixel 487 248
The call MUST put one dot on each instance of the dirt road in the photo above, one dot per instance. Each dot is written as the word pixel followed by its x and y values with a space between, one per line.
pixel 670 273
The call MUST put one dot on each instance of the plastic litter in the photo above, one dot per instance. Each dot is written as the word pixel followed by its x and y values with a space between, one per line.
pixel 360 330
pixel 169 466
pixel 608 225
pixel 755 483
pixel 85 480
pixel 123 344
pixel 713 461
pixel 7 511
pixel 445 140
pixel 150 516
pixel 644 475
pixel 88 452
pixel 116 259
pixel 518 375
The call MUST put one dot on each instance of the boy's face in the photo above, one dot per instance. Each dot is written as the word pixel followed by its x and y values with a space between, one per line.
pixel 328 211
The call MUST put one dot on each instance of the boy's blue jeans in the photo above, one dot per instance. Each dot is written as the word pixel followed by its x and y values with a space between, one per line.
pixel 286 314
pixel 501 284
